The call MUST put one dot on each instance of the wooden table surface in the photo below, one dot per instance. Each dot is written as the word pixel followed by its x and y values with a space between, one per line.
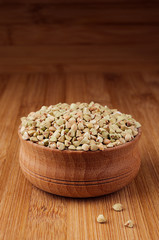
pixel 29 213
pixel 53 52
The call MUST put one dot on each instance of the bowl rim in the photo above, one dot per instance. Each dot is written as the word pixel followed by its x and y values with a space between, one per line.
pixel 80 151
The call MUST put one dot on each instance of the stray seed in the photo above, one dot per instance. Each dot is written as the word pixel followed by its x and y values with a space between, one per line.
pixel 101 219
pixel 129 224
pixel 118 207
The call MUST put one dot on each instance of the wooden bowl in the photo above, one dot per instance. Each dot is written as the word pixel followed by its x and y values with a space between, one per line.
pixel 78 173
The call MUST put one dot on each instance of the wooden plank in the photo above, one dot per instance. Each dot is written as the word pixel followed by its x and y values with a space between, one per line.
pixel 4 36
pixel 82 34
pixel 117 66
pixel 77 1
pixel 102 13
pixel 78 54
pixel 11 219
pixel 78 13
pixel 79 58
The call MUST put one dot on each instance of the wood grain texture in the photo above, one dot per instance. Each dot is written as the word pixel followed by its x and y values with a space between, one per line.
pixel 73 36
pixel 67 51
pixel 77 173
pixel 29 213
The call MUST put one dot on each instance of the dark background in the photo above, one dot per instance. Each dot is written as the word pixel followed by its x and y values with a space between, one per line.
pixel 79 35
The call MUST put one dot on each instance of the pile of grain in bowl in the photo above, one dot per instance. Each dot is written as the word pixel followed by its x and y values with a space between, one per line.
pixel 79 126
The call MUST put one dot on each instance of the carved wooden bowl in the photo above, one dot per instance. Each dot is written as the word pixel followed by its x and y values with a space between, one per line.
pixel 78 173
